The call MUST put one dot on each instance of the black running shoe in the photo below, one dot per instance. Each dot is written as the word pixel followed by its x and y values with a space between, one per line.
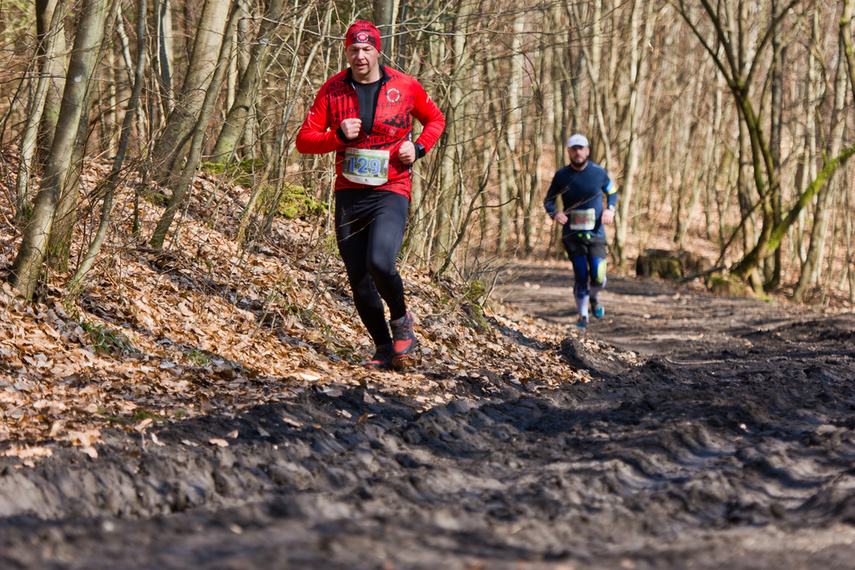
pixel 383 358
pixel 403 339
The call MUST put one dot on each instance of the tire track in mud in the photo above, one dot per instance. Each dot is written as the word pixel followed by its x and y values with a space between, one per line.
pixel 731 445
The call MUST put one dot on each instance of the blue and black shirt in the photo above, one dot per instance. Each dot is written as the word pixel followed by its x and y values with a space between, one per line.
pixel 582 193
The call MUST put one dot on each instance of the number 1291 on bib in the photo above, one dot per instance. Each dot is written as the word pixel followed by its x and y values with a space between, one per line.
pixel 364 166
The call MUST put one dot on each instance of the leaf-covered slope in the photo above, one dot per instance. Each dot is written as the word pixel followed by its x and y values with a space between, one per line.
pixel 206 326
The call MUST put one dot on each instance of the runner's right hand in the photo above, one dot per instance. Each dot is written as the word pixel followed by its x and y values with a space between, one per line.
pixel 561 218
pixel 350 128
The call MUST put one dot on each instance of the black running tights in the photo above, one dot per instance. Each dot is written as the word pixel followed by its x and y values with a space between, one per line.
pixel 369 229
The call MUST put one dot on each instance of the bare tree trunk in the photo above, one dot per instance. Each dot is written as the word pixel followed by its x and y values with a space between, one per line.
pixel 710 197
pixel 385 13
pixel 130 70
pixel 164 55
pixel 27 267
pixel 65 215
pixel 167 154
pixel 825 197
pixel 773 269
pixel 850 246
pixel 189 171
pixel 534 175
pixel 560 105
pixel 631 162
pixel 133 109
pixel 49 38
pixel 846 40
pixel 247 93
pixel 46 10
pixel 506 171
pixel 690 174
pixel 452 150
pixel 807 163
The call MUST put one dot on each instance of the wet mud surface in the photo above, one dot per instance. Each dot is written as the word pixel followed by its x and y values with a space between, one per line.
pixel 728 441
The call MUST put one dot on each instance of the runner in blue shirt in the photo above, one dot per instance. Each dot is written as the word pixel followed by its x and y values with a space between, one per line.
pixel 582 186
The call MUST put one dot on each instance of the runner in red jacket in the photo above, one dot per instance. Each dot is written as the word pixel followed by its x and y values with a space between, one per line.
pixel 365 114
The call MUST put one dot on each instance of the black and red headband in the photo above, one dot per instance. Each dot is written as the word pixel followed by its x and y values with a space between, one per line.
pixel 362 32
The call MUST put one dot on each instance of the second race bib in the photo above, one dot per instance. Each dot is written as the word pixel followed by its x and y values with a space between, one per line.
pixel 581 219
pixel 365 166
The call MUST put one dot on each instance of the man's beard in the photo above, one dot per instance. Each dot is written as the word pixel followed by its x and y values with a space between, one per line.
pixel 578 165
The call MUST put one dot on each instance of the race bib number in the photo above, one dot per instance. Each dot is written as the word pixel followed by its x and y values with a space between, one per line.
pixel 581 219
pixel 364 166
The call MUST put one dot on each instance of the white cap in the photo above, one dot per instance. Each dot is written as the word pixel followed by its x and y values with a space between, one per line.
pixel 577 140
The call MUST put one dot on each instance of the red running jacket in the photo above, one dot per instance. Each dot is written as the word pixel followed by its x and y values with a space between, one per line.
pixel 399 100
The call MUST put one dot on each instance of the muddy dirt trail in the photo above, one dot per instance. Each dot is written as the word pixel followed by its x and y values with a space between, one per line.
pixel 718 433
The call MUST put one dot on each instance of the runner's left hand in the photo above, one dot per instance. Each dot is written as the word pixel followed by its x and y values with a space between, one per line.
pixel 407 152
pixel 608 216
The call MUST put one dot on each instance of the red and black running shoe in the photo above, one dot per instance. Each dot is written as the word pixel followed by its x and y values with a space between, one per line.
pixel 404 341
pixel 383 358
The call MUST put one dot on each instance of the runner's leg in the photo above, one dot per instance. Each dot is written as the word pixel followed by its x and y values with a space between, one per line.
pixel 580 287
pixel 386 233
pixel 598 276
pixel 353 238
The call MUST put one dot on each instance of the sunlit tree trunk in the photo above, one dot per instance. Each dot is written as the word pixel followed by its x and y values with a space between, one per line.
pixel 773 264
pixel 631 161
pixel 167 157
pixel 534 177
pixel 807 162
pixel 693 166
pixel 188 173
pixel 513 115
pixel 826 196
pixel 164 56
pixel 50 39
pixel 452 151
pixel 246 96
pixel 65 216
pixel 133 109
pixel 55 67
pixel 561 105
pixel 27 267
pixel 385 12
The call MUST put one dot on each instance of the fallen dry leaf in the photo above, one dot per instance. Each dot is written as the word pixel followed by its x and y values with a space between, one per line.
pixel 90 451
pixel 27 452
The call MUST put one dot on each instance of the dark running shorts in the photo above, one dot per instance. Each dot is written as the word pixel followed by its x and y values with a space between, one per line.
pixel 577 246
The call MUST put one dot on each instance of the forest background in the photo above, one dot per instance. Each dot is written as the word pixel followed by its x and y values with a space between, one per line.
pixel 726 126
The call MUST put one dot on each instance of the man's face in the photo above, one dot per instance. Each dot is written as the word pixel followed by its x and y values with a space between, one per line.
pixel 363 60
pixel 578 155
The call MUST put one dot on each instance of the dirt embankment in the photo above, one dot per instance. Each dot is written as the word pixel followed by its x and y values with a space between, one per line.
pixel 718 433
